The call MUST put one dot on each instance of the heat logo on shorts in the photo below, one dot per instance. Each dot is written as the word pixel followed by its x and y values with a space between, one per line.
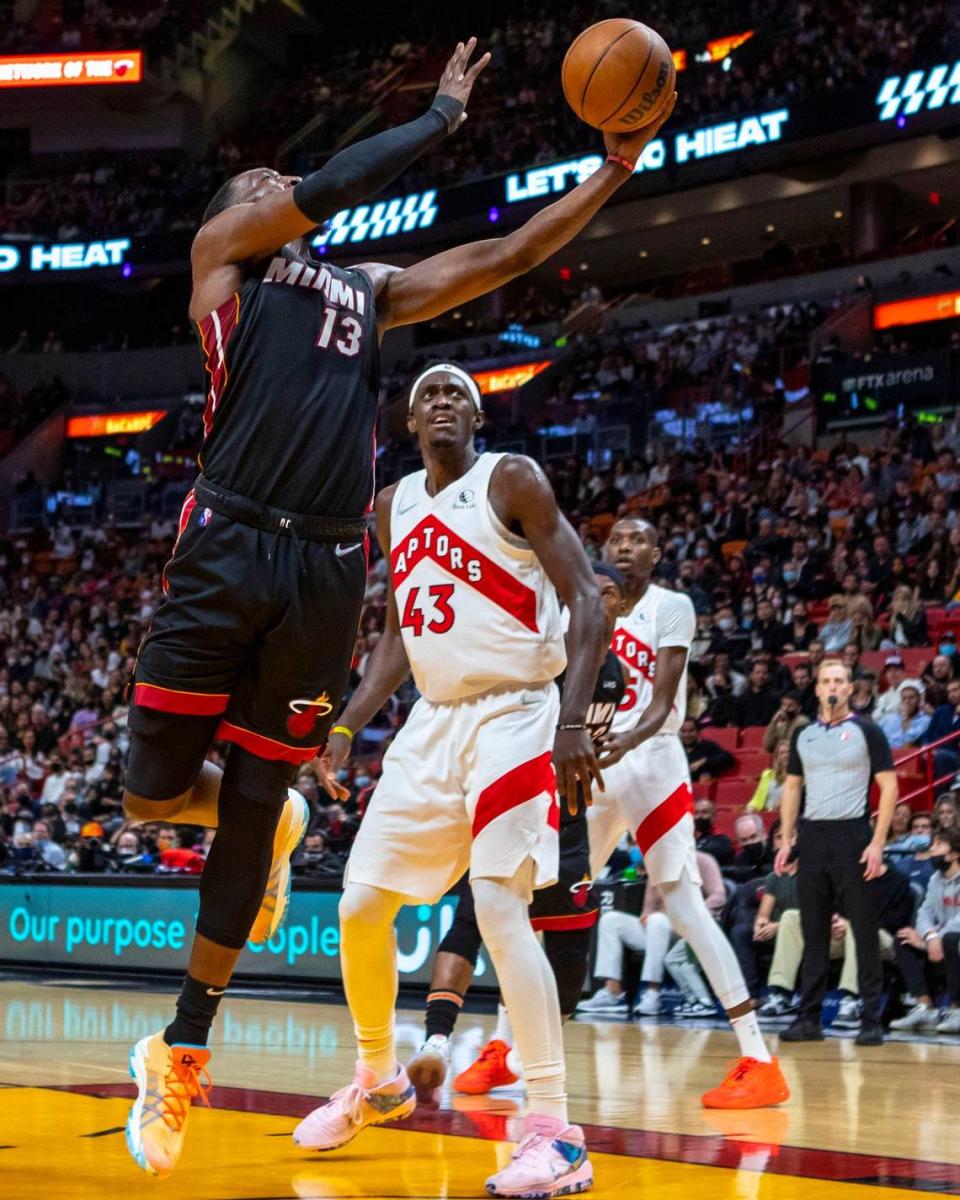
pixel 580 891
pixel 304 715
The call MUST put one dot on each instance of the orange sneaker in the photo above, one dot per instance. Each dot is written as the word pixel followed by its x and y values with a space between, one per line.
pixel 488 1072
pixel 749 1084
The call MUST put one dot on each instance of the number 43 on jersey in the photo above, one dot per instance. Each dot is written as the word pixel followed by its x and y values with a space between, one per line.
pixel 435 614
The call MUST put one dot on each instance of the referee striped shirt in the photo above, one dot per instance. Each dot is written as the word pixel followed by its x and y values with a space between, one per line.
pixel 837 763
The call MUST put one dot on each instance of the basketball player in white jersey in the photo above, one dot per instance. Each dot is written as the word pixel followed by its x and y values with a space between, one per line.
pixel 478 554
pixel 647 791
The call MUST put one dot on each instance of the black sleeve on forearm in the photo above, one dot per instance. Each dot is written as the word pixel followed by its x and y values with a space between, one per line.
pixel 362 170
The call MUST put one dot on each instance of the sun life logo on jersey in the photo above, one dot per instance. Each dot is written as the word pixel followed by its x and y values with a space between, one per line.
pixel 304 715
pixel 466 499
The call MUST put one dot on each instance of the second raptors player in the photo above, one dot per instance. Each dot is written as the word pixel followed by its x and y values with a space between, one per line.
pixel 648 791
pixel 478 554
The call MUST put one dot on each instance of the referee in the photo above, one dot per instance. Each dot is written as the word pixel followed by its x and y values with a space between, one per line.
pixel 836 758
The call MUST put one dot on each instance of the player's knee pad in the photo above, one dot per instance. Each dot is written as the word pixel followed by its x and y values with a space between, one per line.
pixel 364 909
pixel 166 752
pixel 252 793
pixel 568 952
pixel 463 936
pixel 501 911
pixel 250 779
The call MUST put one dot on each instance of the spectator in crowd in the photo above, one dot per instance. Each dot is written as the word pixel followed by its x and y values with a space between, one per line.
pixel 47 852
pixel 907 727
pixel 769 788
pixel 312 859
pixel 755 919
pixel 752 860
pixel 709 841
pixel 650 934
pixel 705 758
pixel 837 630
pixel 945 722
pixel 803 685
pixel 933 941
pixel 801 631
pixel 908 619
pixel 911 853
pixel 896 676
pixel 945 812
pixel 758 702
pixel 788 718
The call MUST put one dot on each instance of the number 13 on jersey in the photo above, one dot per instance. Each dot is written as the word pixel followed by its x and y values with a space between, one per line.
pixel 436 615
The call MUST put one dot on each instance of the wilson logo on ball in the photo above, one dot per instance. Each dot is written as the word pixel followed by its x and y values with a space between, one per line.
pixel 649 99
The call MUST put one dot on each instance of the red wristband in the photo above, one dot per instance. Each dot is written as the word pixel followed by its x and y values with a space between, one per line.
pixel 622 162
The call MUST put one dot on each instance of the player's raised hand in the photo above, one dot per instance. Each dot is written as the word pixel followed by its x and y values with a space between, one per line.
pixel 575 762
pixel 458 76
pixel 327 764
pixel 632 145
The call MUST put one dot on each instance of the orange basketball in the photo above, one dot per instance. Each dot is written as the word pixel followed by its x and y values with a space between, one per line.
pixel 618 75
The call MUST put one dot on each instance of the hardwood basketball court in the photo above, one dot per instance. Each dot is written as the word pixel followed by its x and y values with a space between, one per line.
pixel 859 1119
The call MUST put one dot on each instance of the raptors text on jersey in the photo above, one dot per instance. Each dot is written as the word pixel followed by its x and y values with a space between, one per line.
pixel 476 608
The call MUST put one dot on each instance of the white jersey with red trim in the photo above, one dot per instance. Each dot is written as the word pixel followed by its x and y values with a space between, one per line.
pixel 659 619
pixel 477 610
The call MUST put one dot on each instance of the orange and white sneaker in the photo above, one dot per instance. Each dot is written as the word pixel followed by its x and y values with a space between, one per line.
pixel 168 1079
pixel 488 1072
pixel 294 819
pixel 749 1084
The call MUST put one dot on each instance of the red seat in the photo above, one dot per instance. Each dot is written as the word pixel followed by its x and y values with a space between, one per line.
pixel 915 658
pixel 873 660
pixel 751 737
pixel 704 790
pixel 734 793
pixel 725 736
pixel 794 659
pixel 751 762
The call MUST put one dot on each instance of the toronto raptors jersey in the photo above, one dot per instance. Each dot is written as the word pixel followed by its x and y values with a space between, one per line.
pixel 659 619
pixel 293 379
pixel 477 610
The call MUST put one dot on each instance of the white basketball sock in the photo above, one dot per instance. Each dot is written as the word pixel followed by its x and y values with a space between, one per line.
pixel 750 1038
pixel 529 989
pixel 503 1030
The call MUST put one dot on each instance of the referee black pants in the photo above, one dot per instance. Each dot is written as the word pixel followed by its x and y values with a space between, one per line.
pixel 830 879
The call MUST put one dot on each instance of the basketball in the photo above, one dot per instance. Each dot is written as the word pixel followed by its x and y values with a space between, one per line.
pixel 618 75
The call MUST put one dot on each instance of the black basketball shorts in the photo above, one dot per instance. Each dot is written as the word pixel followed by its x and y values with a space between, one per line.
pixel 570 903
pixel 255 634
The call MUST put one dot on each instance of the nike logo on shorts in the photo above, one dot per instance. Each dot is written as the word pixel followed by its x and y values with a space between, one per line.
pixel 216 992
pixel 341 550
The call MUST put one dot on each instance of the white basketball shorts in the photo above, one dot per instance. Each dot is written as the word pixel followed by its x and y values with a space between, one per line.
pixel 648 793
pixel 464 784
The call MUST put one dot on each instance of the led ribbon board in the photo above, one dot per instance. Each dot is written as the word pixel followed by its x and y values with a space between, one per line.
pixel 70 70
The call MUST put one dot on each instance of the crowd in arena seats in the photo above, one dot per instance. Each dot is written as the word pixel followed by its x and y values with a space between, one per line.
pixel 76 25
pixel 515 118
pixel 851 550
pixel 22 411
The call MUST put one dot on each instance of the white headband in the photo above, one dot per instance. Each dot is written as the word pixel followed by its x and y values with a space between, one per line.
pixel 458 373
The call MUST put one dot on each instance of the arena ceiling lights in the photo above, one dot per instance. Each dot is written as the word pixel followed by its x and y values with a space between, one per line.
pixel 70 70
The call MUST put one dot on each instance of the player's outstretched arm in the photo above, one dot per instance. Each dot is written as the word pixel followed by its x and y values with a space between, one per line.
pixel 255 229
pixel 457 276
pixel 387 667
pixel 522 496
pixel 670 663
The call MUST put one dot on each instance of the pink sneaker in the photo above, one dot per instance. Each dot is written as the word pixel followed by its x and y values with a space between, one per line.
pixel 550 1161
pixel 355 1107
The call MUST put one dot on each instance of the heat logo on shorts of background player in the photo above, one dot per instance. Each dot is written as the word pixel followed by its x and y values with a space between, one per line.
pixel 304 715
pixel 580 891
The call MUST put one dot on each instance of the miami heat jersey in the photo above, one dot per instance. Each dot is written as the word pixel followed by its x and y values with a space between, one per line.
pixel 477 610
pixel 659 619
pixel 293 377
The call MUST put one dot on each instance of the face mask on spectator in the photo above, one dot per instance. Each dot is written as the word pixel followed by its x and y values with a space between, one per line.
pixel 361 780
pixel 812 543
pixel 703 824
pixel 700 552
pixel 707 509
pixel 759 577
pixel 753 853
pixel 939 862
pixel 948 648
pixel 727 624
pixel 789 575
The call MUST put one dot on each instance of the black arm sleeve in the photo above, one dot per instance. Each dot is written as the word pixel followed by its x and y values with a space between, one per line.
pixel 794 762
pixel 362 170
pixel 877 747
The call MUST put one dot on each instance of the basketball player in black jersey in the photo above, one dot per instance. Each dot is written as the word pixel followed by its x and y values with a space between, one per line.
pixel 262 597
pixel 565 913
